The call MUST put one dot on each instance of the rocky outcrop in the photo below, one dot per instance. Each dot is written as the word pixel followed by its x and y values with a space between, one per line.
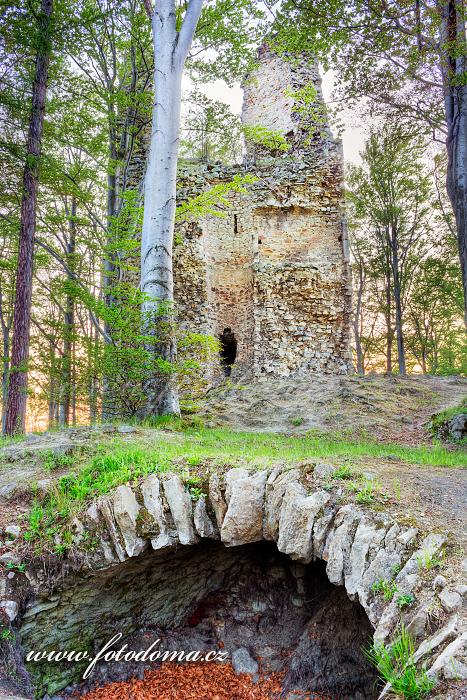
pixel 453 429
pixel 364 551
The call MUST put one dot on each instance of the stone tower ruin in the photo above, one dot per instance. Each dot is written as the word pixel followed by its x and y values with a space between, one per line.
pixel 270 278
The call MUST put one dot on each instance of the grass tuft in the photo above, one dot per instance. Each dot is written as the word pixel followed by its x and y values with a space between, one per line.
pixel 396 666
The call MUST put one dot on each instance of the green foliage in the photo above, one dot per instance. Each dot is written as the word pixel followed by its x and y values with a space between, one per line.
pixel 214 201
pixel 365 494
pixel 263 138
pixel 439 419
pixel 397 235
pixel 12 566
pixel 193 484
pixel 6 635
pixel 105 472
pixel 297 422
pixel 404 601
pixel 342 472
pixel 312 113
pixel 54 461
pixel 387 588
pixel 396 666
pixel 210 131
pixel 429 560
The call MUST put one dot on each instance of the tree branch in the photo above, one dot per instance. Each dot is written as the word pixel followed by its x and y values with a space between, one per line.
pixel 188 29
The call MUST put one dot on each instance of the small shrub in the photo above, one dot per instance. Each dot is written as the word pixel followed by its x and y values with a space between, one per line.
pixel 265 138
pixel 396 666
pixel 428 560
pixel 6 635
pixel 297 421
pixel 193 486
pixel 387 588
pixel 20 568
pixel 404 601
pixel 365 494
pixel 343 472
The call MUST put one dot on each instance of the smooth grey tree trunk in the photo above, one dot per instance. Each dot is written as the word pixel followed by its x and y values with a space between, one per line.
pixel 453 67
pixel 171 48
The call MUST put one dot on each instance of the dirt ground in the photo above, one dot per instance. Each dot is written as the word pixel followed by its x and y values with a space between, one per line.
pixel 389 408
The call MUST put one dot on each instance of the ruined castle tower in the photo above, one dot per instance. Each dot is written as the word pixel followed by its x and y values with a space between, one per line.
pixel 271 277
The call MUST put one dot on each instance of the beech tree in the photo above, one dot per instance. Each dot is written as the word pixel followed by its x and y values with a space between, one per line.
pixel 173 30
pixel 171 47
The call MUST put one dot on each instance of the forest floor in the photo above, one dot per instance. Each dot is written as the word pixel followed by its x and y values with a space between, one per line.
pixel 389 408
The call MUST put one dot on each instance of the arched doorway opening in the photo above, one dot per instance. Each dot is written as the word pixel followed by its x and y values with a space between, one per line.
pixel 228 351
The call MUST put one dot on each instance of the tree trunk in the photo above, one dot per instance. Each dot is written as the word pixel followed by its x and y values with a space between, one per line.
pixel 17 390
pixel 357 324
pixel 68 326
pixel 389 333
pixel 397 300
pixel 93 387
pixel 170 51
pixel 5 373
pixel 52 387
pixel 453 67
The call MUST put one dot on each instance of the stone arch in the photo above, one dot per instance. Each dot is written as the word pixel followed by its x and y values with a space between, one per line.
pixel 143 530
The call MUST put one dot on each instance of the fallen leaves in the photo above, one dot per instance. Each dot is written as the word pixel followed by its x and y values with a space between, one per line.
pixel 194 681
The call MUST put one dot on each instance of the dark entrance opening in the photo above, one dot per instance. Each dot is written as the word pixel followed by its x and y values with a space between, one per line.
pixel 228 350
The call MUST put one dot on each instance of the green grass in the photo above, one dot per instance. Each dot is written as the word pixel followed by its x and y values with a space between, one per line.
pixel 387 588
pixel 271 447
pixel 189 449
pixel 395 666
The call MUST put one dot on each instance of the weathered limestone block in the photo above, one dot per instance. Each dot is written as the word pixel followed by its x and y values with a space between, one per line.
pixel 385 622
pixel 105 507
pixel 384 564
pixel 243 520
pixel 276 486
pixel 430 548
pixel 181 508
pixel 446 633
pixel 217 500
pixel 367 536
pixel 150 491
pixel 407 536
pixel 297 517
pixel 10 608
pixel 230 478
pixel 203 523
pixel 94 521
pixel 126 510
pixel 322 527
pixel 451 664
pixel 450 600
pixel 339 543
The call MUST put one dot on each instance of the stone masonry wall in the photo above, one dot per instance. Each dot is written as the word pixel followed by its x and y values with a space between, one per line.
pixel 274 267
